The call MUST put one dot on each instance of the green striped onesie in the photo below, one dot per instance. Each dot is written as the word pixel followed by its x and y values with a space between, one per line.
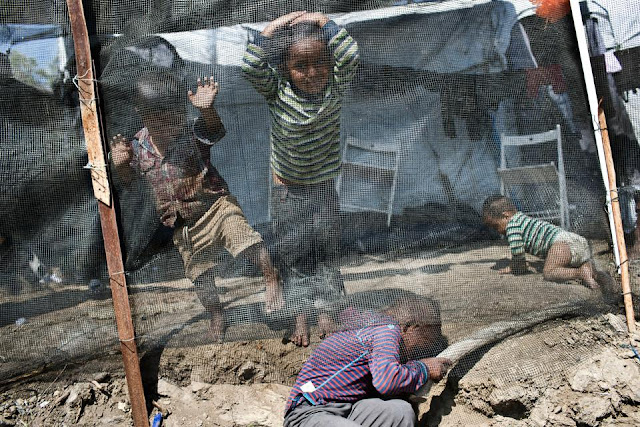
pixel 305 133
pixel 526 234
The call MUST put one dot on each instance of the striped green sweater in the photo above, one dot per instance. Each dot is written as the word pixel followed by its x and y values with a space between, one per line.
pixel 305 133
pixel 526 234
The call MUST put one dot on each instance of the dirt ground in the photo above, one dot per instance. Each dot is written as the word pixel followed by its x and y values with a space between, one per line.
pixel 576 370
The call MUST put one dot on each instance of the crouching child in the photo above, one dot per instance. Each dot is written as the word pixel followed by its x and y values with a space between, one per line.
pixel 567 255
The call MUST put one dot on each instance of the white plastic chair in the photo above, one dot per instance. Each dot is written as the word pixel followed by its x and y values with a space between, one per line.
pixel 369 177
pixel 525 184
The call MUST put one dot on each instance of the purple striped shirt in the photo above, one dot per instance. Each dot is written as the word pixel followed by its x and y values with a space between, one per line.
pixel 352 365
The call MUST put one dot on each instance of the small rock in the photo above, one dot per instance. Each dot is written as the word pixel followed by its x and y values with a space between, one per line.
pixel 5 422
pixel 584 379
pixel 123 406
pixel 601 336
pixel 617 323
pixel 591 409
pixel 246 371
pixel 21 321
pixel 73 395
pixel 101 377
pixel 44 403
pixel 197 386
pixel 561 420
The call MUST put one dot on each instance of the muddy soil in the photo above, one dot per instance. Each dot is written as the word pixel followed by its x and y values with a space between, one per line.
pixel 576 371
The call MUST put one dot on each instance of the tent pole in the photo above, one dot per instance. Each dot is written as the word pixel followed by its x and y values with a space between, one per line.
pixel 615 207
pixel 606 165
pixel 593 108
pixel 91 126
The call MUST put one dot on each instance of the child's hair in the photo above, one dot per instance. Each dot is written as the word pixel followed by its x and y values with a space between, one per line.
pixel 285 37
pixel 159 90
pixel 415 310
pixel 495 206
pixel 153 50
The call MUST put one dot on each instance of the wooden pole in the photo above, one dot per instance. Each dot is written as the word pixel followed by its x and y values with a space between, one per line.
pixel 617 220
pixel 91 125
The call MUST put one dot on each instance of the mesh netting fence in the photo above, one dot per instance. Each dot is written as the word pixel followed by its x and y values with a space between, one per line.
pixel 342 165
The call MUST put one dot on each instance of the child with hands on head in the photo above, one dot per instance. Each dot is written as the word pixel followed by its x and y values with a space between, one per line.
pixel 302 64
pixel 191 197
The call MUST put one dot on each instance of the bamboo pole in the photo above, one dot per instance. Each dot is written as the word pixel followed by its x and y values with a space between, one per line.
pixel 91 126
pixel 606 164
pixel 617 218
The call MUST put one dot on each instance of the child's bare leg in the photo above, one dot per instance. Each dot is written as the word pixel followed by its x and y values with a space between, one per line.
pixel 556 267
pixel 300 335
pixel 208 296
pixel 274 299
pixel 588 275
pixel 216 325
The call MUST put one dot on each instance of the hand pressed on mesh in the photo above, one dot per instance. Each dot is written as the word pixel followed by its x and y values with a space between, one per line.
pixel 121 151
pixel 437 367
pixel 281 22
pixel 314 17
pixel 205 94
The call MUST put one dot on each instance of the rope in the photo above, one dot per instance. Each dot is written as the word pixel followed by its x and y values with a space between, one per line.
pixel 76 79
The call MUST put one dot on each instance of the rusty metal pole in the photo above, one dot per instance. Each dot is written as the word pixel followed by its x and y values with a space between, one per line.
pixel 117 280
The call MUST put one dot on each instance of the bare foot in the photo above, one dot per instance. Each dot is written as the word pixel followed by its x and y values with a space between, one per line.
pixel 300 335
pixel 325 324
pixel 609 285
pixel 217 327
pixel 274 299
pixel 587 274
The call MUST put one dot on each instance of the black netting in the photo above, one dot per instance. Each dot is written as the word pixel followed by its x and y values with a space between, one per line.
pixel 349 196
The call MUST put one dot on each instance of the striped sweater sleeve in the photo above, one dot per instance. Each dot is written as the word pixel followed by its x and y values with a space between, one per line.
pixel 345 53
pixel 515 236
pixel 389 376
pixel 257 70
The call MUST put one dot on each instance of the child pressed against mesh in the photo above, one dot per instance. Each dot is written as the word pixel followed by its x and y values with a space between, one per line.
pixel 302 64
pixel 191 197
pixel 568 255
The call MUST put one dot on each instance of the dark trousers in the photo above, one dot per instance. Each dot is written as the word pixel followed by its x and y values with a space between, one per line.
pixel 306 225
pixel 364 413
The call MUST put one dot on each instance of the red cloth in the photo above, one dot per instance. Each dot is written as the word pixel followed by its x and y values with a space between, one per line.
pixel 551 75
pixel 552 10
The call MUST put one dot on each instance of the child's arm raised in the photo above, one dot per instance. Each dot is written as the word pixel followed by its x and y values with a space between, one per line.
pixel 203 100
